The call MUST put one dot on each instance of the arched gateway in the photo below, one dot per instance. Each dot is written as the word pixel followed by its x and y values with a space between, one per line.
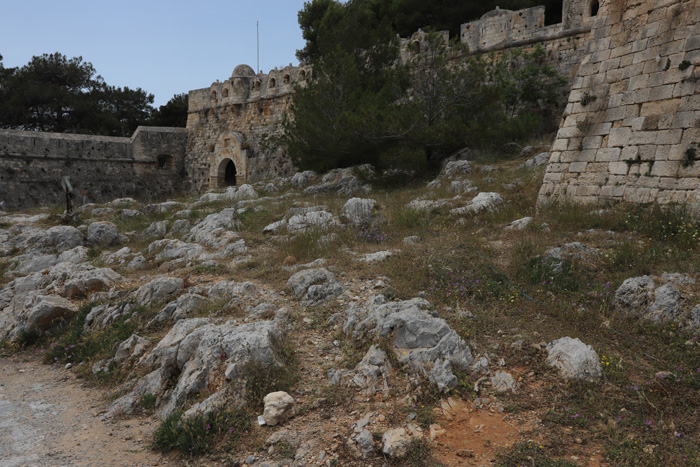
pixel 229 163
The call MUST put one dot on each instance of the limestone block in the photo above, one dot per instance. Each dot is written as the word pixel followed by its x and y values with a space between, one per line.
pixel 619 137
pixel 578 166
pixel 608 155
pixel 668 106
pixel 618 168
pixel 665 169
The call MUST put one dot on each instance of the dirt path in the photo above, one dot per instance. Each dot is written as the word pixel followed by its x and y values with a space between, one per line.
pixel 48 418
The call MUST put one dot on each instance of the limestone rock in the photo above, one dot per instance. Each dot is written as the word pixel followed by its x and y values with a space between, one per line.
pixel 279 406
pixel 454 168
pixel 559 256
pixel 358 210
pixel 487 201
pixel 210 229
pixel 132 348
pixel 170 249
pixel 64 237
pixel 396 442
pixel 635 294
pixel 156 229
pixel 180 308
pixel 82 281
pixel 187 359
pixel 574 359
pixel 519 224
pixel 159 290
pixel 49 312
pixel 302 179
pixel 162 208
pixel 242 193
pixel 420 340
pixel 666 304
pixel 372 372
pixel 462 187
pixel 376 256
pixel 311 220
pixel 102 234
pixel 503 381
pixel 314 285
pixel 343 184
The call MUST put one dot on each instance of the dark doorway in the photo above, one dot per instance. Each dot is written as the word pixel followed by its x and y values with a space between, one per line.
pixel 594 8
pixel 230 176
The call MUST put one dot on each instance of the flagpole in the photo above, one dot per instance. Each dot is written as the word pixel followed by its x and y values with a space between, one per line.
pixel 258 37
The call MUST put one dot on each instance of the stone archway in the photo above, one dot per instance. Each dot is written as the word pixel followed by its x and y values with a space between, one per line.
pixel 226 174
pixel 229 163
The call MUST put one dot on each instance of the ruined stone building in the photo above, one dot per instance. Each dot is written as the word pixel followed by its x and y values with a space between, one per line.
pixel 629 131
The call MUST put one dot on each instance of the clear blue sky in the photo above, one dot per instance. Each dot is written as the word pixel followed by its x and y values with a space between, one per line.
pixel 164 47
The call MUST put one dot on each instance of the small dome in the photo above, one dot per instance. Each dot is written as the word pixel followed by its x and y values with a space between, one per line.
pixel 242 70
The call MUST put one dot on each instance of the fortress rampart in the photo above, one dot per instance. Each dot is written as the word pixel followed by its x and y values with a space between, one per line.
pixel 631 129
pixel 228 122
pixel 147 165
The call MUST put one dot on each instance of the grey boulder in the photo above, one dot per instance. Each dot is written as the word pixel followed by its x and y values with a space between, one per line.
pixel 574 359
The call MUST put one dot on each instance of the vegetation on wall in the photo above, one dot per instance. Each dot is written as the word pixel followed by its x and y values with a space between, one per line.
pixel 367 106
pixel 360 22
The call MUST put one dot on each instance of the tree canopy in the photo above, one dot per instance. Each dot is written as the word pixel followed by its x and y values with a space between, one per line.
pixel 59 94
pixel 365 104
pixel 360 23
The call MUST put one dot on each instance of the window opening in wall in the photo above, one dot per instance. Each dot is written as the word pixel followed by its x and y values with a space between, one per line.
pixel 595 6
pixel 256 86
pixel 415 48
pixel 164 161
pixel 213 94
pixel 225 92
pixel 230 175
pixel 286 79
pixel 272 83
pixel 553 13
pixel 302 75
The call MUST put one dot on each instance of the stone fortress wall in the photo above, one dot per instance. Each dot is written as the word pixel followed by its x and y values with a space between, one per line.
pixel 631 129
pixel 227 122
pixel 629 132
pixel 32 164
pixel 500 30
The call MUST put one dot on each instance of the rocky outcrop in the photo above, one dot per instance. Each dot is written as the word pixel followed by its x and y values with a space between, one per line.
pixel 420 340
pixel 196 353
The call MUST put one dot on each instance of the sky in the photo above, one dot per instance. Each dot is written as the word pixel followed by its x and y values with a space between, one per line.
pixel 163 47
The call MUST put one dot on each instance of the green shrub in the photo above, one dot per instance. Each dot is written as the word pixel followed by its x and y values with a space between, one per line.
pixel 195 434
pixel 77 344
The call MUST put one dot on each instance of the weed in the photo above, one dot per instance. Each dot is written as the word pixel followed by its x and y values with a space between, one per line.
pixel 148 401
pixel 28 337
pixel 195 434
pixel 689 157
pixel 418 455
pixel 212 269
pixel 263 380
pixel 77 344
pixel 588 98
pixel 286 449
pixel 369 230
pixel 529 453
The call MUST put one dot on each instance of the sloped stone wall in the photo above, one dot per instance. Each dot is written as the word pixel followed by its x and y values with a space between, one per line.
pixel 148 165
pixel 631 129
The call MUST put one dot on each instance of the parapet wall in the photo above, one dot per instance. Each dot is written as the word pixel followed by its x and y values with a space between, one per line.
pixel 147 165
pixel 630 131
